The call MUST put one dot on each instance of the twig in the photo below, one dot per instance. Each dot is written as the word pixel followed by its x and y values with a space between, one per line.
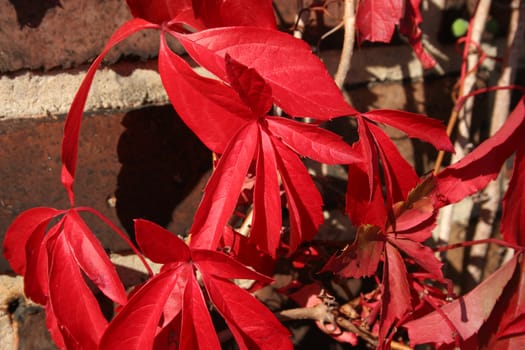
pixel 246 225
pixel 348 43
pixel 364 334
pixel 300 21
pixel 467 80
pixel 318 312
pixel 493 191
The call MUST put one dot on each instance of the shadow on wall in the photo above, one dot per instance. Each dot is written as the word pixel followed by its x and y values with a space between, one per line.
pixel 162 162
pixel 30 13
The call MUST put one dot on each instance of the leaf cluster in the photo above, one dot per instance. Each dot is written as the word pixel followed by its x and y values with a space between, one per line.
pixel 254 69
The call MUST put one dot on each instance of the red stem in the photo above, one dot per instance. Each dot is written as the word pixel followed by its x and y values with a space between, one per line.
pixel 481 241
pixel 463 99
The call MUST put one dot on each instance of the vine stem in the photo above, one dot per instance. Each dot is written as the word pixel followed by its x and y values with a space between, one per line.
pixel 500 111
pixel 348 43
pixel 481 241
pixel 466 82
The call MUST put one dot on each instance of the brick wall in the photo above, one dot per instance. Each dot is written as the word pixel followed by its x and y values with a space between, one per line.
pixel 124 171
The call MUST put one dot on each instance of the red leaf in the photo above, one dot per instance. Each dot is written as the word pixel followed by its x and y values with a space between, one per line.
pixel 409 27
pixel 36 277
pixel 197 328
pixel 221 193
pixel 135 326
pixel 513 320
pixel 267 219
pixel 504 330
pixel 364 198
pixel 299 80
pixel 362 257
pixel 360 208
pixel 466 313
pixel 422 255
pixel 76 309
pixel 53 328
pixel 221 265
pixel 515 327
pixel 92 258
pixel 400 177
pixel 74 117
pixel 414 125
pixel 20 231
pixel 303 198
pixel 377 19
pixel 409 218
pixel 252 324
pixel 474 171
pixel 247 253
pixel 154 11
pixel 395 301
pixel 250 86
pixel 313 142
pixel 513 214
pixel 221 13
pixel 221 112
pixel 160 245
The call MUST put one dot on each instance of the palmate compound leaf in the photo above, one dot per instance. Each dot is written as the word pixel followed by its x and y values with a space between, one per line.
pixel 25 247
pixel 54 260
pixel 412 225
pixel 365 204
pixel 416 219
pixel 300 84
pixel 148 15
pixel 272 143
pixel 175 293
pixel 467 313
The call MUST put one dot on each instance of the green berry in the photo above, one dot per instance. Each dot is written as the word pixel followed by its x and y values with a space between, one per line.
pixel 459 27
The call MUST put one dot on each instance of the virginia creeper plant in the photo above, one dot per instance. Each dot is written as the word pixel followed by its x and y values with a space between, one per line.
pixel 257 68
